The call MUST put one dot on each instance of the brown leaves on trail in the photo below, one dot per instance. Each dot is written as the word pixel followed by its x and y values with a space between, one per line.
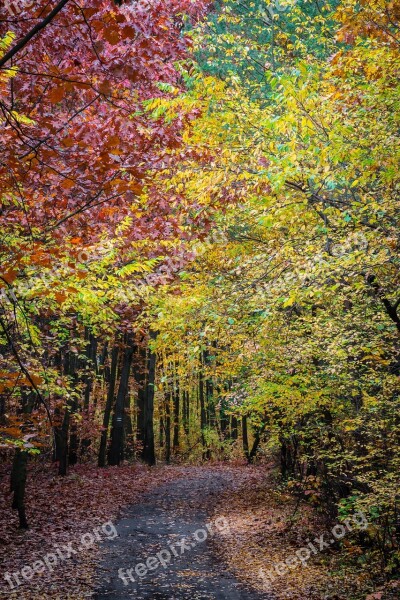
pixel 266 529
pixel 61 511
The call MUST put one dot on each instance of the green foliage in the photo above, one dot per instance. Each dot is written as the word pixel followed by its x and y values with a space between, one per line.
pixel 244 41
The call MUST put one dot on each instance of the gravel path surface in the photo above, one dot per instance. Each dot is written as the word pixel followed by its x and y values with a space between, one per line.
pixel 152 532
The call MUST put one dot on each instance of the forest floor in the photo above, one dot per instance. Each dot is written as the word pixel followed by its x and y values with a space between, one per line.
pixel 72 514
pixel 270 530
pixel 237 527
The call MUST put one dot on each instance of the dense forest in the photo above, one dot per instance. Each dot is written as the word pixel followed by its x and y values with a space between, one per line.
pixel 199 262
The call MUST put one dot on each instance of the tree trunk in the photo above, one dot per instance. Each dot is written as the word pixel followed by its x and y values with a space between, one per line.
pixel 203 415
pixel 176 393
pixel 116 450
pixel 234 428
pixel 61 442
pixel 20 464
pixel 139 373
pixel 186 412
pixel 111 376
pixel 128 428
pixel 256 443
pixel 245 437
pixel 148 453
pixel 284 466
pixel 71 367
pixel 167 428
pixel 91 372
pixel 211 416
pixel 18 483
pixel 224 421
pixel 161 431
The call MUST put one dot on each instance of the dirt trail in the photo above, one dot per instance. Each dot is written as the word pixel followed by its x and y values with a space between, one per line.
pixel 173 512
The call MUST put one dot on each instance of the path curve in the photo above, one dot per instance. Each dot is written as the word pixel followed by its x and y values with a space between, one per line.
pixel 154 528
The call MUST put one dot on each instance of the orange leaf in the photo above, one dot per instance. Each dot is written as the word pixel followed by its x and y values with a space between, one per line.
pixel 111 35
pixel 89 12
pixel 67 184
pixel 136 188
pixel 105 88
pixel 57 94
pixel 60 297
pixel 36 379
pixel 67 142
pixel 10 275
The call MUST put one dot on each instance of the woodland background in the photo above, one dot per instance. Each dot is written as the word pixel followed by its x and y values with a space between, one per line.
pixel 200 246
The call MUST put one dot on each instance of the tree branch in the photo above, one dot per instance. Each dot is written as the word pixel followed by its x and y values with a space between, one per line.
pixel 25 40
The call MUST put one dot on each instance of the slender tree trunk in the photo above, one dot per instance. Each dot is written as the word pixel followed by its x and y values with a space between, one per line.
pixel 61 441
pixel 139 372
pixel 211 416
pixel 18 483
pixel 203 415
pixel 116 450
pixel 103 356
pixel 148 453
pixel 111 376
pixel 224 421
pixel 20 465
pixel 167 428
pixel 256 443
pixel 234 428
pixel 72 365
pixel 161 430
pixel 91 372
pixel 186 412
pixel 128 428
pixel 245 437
pixel 62 452
pixel 284 459
pixel 176 395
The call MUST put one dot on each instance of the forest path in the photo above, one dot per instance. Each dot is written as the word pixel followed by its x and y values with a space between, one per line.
pixel 181 509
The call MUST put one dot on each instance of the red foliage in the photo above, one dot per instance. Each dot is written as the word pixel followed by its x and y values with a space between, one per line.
pixel 82 80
